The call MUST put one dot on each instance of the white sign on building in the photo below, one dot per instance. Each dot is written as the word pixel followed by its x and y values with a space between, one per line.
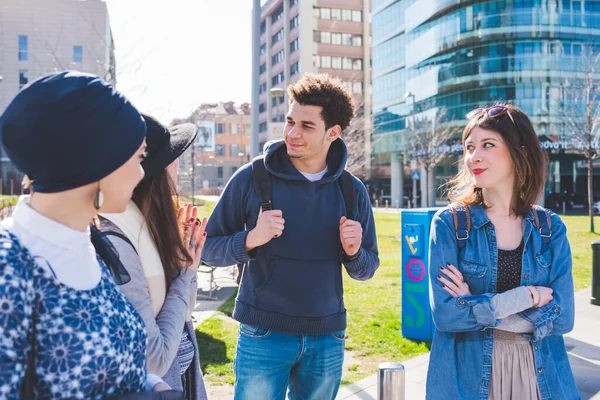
pixel 205 141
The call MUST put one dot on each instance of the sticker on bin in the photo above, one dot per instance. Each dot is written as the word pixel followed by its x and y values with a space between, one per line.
pixel 415 269
pixel 412 236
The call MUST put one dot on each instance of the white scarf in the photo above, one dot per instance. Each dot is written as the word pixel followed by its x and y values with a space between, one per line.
pixel 133 224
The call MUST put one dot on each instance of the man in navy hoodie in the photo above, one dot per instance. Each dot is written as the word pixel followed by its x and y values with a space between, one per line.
pixel 290 304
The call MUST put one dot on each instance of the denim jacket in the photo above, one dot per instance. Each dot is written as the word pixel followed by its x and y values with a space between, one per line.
pixel 461 354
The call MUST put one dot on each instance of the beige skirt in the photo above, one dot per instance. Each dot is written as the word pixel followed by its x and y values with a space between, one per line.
pixel 513 368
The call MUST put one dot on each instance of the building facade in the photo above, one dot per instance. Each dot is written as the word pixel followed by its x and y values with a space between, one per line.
pixel 221 147
pixel 293 37
pixel 456 56
pixel 41 37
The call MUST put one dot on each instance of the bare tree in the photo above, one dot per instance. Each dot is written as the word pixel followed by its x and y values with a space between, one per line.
pixel 355 138
pixel 581 115
pixel 430 142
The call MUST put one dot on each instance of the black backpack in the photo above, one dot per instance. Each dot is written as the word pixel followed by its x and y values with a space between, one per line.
pixel 264 188
pixel 462 223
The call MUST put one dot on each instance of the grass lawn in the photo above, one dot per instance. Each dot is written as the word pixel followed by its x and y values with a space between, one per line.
pixel 580 238
pixel 374 309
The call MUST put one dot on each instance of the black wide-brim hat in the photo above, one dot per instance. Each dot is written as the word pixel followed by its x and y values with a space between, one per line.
pixel 165 145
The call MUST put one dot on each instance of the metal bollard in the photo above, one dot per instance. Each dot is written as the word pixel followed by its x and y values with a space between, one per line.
pixel 391 381
pixel 386 204
pixel 376 203
pixel 596 273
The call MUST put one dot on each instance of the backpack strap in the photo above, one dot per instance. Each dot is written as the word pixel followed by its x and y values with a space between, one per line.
pixel 543 223
pixel 346 183
pixel 462 223
pixel 262 183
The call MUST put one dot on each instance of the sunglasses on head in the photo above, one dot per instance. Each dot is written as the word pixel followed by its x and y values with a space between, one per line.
pixel 494 112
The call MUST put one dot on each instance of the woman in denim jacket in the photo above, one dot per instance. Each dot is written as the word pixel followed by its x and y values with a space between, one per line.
pixel 502 302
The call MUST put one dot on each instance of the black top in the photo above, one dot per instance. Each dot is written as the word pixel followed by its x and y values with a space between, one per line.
pixel 510 263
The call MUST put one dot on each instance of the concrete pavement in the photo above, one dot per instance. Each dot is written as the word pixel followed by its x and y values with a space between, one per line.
pixel 583 346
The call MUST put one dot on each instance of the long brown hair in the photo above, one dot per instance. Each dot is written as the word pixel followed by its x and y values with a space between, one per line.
pixel 529 159
pixel 157 200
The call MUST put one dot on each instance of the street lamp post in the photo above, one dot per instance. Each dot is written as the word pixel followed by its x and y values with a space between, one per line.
pixel 412 113
pixel 193 172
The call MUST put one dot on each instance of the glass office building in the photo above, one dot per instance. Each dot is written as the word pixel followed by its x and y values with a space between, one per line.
pixel 460 55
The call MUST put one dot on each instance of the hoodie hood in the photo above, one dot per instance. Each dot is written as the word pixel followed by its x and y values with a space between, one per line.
pixel 278 163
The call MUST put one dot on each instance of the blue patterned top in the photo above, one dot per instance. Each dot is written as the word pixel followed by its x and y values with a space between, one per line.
pixel 88 344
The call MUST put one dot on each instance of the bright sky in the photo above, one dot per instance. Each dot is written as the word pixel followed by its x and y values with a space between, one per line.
pixel 174 55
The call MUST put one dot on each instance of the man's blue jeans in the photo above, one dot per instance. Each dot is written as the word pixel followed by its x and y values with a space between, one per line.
pixel 269 363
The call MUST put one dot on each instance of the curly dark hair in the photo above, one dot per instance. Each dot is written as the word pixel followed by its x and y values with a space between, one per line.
pixel 328 93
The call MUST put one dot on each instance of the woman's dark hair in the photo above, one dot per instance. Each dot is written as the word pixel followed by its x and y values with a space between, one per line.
pixel 157 200
pixel 529 159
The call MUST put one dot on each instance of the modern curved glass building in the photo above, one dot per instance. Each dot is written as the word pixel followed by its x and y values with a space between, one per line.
pixel 460 55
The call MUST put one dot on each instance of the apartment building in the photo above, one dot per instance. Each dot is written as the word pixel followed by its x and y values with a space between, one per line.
pixel 221 147
pixel 320 36
pixel 41 37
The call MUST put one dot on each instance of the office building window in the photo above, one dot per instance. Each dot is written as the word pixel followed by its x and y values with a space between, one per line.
pixel 325 13
pixel 234 129
pixel 262 108
pixel 263 27
pixel 263 48
pixel 262 127
pixel 247 129
pixel 338 14
pixel 234 150
pixel 294 22
pixel 277 79
pixel 295 45
pixel 277 58
pixel 357 87
pixel 23 48
pixel 233 169
pixel 219 128
pixel 336 62
pixel 263 68
pixel 295 68
pixel 277 15
pixel 336 38
pixel 345 39
pixel 23 78
pixel 277 37
pixel 247 149
pixel 262 88
pixel 77 54
pixel 220 150
pixel 274 100
pixel 219 172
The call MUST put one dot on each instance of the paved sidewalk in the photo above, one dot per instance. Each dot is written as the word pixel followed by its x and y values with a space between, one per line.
pixel 207 302
pixel 583 346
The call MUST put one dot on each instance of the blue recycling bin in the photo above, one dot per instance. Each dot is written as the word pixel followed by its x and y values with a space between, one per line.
pixel 416 311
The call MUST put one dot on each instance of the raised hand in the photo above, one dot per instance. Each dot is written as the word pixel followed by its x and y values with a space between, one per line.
pixel 270 225
pixel 350 236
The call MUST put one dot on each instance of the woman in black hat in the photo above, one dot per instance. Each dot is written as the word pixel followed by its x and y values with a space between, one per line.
pixel 161 255
pixel 66 331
